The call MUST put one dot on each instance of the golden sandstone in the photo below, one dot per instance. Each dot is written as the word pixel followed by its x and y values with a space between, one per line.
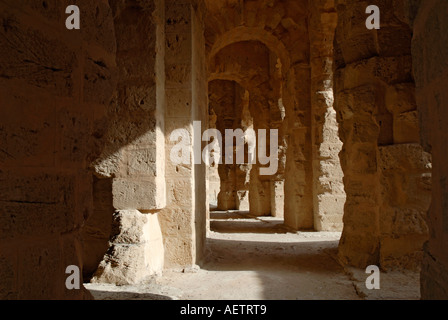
pixel 86 117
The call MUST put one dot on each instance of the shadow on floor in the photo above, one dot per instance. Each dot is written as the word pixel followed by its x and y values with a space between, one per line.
pixel 276 270
pixel 261 254
pixel 233 255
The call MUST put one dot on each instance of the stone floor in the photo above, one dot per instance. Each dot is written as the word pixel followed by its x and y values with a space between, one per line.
pixel 257 259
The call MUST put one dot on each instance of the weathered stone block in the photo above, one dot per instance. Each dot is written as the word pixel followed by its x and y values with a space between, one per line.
pixel 132 19
pixel 50 9
pixel 363 158
pixel 402 252
pixel 135 67
pixel 126 264
pixel 361 217
pixel 400 98
pixel 137 250
pixel 398 222
pixel 96 23
pixel 36 204
pixel 133 227
pixel 8 271
pixel 72 145
pixel 36 58
pixel 178 48
pixel 406 156
pixel 179 191
pixel 242 203
pixel 178 103
pixel 47 275
pixel 394 40
pixel 137 194
pixel 178 75
pixel 178 18
pixel 142 163
pixel 358 248
pixel 99 80
pixel 141 97
pixel 328 212
pixel 26 140
pixel 434 279
pixel 406 128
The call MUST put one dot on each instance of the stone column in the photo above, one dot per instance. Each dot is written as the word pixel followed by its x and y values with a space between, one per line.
pixel 260 186
pixel 135 157
pixel 386 171
pixel 229 101
pixel 136 251
pixel 277 198
pixel 298 172
pixel 184 219
pixel 222 102
pixel 242 171
pixel 430 54
pixel 328 187
pixel 277 114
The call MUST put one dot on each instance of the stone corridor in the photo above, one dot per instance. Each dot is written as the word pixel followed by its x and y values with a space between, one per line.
pixel 106 132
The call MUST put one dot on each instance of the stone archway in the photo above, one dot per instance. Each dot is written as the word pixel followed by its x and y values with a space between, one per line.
pixel 258 69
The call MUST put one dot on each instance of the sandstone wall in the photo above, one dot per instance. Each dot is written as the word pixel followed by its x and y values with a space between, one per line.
pixel 386 170
pixel 55 89
pixel 98 227
pixel 86 177
pixel 430 50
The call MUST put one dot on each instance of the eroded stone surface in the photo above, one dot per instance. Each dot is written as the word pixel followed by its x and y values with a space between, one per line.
pixel 386 173
pixel 430 51
pixel 86 119
pixel 136 250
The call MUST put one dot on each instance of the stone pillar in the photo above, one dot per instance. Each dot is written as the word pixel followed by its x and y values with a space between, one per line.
pixel 135 157
pixel 277 114
pixel 184 219
pixel 136 252
pixel 242 187
pixel 259 193
pixel 214 182
pixel 242 171
pixel 222 102
pixel 260 186
pixel 386 171
pixel 405 199
pixel 298 172
pixel 229 102
pixel 277 198
pixel 328 187
pixel 430 55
